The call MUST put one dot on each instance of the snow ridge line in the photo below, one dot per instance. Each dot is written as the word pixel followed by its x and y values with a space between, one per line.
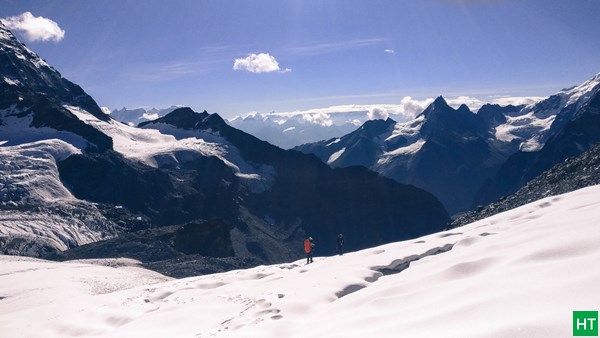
pixel 393 268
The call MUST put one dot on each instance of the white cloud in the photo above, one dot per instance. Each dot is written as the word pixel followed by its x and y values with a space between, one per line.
pixel 34 28
pixel 105 110
pixel 150 117
pixel 259 63
pixel 357 114
pixel 410 107
pixel 332 47
pixel 517 100
pixel 319 118
pixel 352 113
pixel 390 51
pixel 377 113
pixel 472 102
pixel 310 120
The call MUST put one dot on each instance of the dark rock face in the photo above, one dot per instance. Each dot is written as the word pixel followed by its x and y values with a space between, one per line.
pixel 570 175
pixel 195 265
pixel 190 249
pixel 205 238
pixel 166 196
pixel 38 90
pixel 210 239
pixel 33 75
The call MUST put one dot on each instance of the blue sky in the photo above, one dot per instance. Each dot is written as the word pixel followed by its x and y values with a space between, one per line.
pixel 159 53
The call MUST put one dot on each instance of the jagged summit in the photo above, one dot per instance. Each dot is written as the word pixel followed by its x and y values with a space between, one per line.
pixel 26 79
pixel 445 123
pixel 439 111
pixel 438 105
pixel 596 78
pixel 9 41
pixel 183 117
pixel 440 101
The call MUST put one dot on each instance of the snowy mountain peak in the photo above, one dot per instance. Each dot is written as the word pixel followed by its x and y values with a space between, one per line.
pixel 583 91
pixel 566 101
pixel 5 34
pixel 9 44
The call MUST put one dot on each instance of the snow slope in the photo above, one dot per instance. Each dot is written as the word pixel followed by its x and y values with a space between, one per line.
pixel 16 130
pixel 517 274
pixel 531 126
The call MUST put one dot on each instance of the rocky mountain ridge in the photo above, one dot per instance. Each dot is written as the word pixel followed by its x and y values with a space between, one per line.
pixel 467 158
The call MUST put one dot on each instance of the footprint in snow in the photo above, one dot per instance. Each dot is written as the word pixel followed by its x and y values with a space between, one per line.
pixel 450 234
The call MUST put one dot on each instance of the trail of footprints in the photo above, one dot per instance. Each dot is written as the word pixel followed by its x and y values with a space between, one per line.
pixel 402 264
pixel 254 311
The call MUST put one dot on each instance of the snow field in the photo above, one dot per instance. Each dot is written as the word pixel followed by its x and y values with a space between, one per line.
pixel 517 274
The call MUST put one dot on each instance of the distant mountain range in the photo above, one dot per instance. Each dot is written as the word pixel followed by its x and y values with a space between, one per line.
pixel 285 130
pixel 289 131
pixel 467 158
pixel 133 117
pixel 72 175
